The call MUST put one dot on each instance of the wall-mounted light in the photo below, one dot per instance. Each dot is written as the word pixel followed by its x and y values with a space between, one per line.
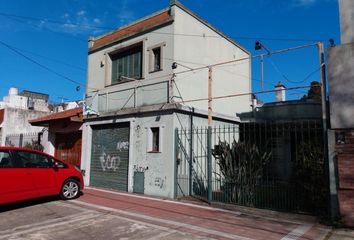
pixel 174 65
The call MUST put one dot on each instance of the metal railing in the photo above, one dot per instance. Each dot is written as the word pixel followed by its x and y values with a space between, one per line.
pixel 292 178
pixel 107 100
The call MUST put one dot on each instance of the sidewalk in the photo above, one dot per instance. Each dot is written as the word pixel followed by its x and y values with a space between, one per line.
pixel 341 234
pixel 208 222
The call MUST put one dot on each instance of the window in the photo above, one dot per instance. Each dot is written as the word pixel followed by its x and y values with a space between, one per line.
pixel 33 160
pixel 156 52
pixel 127 65
pixel 154 140
pixel 5 160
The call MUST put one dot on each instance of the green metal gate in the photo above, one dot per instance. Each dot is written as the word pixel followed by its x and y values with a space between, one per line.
pixel 291 179
pixel 110 156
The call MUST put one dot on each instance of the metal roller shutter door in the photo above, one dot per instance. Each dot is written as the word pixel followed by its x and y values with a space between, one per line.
pixel 110 156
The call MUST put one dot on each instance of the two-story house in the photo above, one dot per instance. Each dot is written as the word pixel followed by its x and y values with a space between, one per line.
pixel 145 80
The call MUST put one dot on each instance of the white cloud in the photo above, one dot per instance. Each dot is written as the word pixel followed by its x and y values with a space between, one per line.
pixel 125 14
pixel 81 13
pixel 304 3
pixel 308 3
pixel 79 23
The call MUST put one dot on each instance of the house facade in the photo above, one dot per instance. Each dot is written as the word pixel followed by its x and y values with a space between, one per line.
pixel 145 80
pixel 340 60
pixel 16 110
pixel 64 133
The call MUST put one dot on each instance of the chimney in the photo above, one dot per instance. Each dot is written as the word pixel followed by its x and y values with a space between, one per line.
pixel 280 92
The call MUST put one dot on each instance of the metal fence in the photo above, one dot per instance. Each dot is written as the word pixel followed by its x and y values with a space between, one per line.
pixel 268 165
pixel 26 140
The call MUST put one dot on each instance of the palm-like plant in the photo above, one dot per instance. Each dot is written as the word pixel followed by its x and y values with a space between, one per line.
pixel 241 165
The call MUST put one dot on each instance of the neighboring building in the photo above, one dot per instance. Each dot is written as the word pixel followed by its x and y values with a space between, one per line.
pixel 136 92
pixel 16 110
pixel 64 134
pixel 25 100
pixel 340 60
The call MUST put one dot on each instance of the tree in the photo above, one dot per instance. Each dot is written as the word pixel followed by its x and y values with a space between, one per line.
pixel 314 91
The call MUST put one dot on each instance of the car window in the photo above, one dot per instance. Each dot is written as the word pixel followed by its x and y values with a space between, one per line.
pixel 59 164
pixel 33 160
pixel 5 160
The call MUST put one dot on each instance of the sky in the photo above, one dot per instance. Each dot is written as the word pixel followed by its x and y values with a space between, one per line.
pixel 43 44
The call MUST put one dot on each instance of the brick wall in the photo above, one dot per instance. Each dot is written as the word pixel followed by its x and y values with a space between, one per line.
pixel 345 157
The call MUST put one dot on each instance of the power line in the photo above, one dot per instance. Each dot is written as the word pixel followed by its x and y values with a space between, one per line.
pixel 89 26
pixel 51 59
pixel 47 29
pixel 245 94
pixel 41 65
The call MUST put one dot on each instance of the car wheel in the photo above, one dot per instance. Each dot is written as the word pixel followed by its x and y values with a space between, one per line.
pixel 70 189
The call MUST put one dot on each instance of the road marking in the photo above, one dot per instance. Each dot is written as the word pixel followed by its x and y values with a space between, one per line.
pixel 46 222
pixel 297 232
pixel 166 229
pixel 44 226
pixel 164 221
pixel 165 200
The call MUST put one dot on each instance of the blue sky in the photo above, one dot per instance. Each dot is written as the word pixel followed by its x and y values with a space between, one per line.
pixel 54 34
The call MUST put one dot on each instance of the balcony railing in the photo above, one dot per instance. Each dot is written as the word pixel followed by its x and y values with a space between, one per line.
pixel 108 100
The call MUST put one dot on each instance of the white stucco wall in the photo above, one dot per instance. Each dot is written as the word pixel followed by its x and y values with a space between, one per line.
pixel 201 51
pixel 97 74
pixel 157 167
pixel 16 122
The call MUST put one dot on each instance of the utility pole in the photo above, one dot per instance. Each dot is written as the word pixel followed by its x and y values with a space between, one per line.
pixel 210 96
pixel 262 72
pixel 210 119
pixel 329 164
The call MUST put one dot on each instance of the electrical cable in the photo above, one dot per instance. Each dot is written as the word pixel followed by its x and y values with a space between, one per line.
pixel 89 26
pixel 39 64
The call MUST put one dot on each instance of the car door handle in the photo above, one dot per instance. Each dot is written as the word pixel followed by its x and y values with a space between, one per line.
pixel 29 174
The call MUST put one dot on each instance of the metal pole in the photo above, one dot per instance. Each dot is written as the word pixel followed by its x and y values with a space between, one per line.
pixel 210 189
pixel 210 96
pixel 210 112
pixel 191 155
pixel 262 72
pixel 176 160
pixel 329 164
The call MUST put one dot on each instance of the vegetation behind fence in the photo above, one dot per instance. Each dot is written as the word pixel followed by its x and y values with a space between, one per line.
pixel 265 165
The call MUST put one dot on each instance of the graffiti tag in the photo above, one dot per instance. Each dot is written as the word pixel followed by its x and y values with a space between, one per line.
pixel 122 145
pixel 138 168
pixel 109 162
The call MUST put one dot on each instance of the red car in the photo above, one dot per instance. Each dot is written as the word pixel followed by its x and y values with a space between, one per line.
pixel 27 174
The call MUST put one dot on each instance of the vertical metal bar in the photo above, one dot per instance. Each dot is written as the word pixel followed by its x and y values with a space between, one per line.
pixel 209 165
pixel 191 155
pixel 176 163
pixel 262 72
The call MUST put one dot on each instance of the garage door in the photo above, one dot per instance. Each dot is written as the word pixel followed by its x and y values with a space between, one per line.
pixel 110 157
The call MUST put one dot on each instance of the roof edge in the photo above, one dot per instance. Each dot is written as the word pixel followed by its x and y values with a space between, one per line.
pixel 200 19
pixel 91 38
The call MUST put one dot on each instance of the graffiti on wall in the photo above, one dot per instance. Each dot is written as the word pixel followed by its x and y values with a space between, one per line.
pixel 160 182
pixel 138 168
pixel 122 146
pixel 109 162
